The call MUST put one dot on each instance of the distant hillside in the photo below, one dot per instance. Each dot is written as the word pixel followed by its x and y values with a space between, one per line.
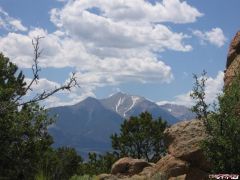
pixel 85 126
pixel 179 111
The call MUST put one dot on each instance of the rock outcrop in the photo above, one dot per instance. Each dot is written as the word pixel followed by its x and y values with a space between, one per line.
pixel 233 60
pixel 183 141
pixel 185 159
pixel 171 166
pixel 128 166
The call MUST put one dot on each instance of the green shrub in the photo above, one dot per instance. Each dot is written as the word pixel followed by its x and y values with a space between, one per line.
pixel 222 123
pixel 141 137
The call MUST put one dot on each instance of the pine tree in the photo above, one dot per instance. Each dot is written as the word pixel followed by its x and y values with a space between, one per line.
pixel 23 130
pixel 23 124
pixel 141 137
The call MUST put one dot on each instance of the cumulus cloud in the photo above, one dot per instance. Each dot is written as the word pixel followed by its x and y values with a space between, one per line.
pixel 107 42
pixel 64 52
pixel 67 99
pixel 41 84
pixel 104 24
pixel 214 87
pixel 175 11
pixel 215 36
pixel 61 97
pixel 39 87
pixel 9 23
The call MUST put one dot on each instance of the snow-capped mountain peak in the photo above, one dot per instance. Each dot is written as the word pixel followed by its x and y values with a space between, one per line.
pixel 121 102
pixel 127 105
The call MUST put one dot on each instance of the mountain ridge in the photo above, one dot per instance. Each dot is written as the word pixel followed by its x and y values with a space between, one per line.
pixel 87 125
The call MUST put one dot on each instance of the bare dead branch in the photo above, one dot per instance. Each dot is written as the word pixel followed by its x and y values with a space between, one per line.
pixel 35 68
pixel 72 82
pixel 47 93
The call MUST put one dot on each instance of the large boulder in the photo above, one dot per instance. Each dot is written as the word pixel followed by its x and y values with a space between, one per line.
pixel 128 166
pixel 233 60
pixel 171 166
pixel 184 139
pixel 234 49
pixel 184 161
pixel 129 169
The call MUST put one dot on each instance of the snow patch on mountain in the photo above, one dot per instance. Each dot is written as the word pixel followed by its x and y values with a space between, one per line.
pixel 118 104
pixel 135 99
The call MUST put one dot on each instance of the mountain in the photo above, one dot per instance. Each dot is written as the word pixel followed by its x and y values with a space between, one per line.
pixel 128 105
pixel 87 125
pixel 179 111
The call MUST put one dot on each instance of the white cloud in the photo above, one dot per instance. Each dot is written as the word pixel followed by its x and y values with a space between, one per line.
pixel 17 25
pixel 107 42
pixel 41 84
pixel 85 39
pixel 108 29
pixel 213 89
pixel 38 88
pixel 69 99
pixel 175 11
pixel 60 52
pixel 60 98
pixel 215 36
pixel 9 23
pixel 160 103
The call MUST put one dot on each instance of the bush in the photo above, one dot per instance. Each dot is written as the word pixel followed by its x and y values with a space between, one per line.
pixel 97 164
pixel 23 129
pixel 223 127
pixel 141 137
pixel 60 164
pixel 24 136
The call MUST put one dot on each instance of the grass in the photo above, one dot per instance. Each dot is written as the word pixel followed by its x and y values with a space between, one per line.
pixel 84 177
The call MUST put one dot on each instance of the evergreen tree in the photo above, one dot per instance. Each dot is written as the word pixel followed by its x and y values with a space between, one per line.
pixel 23 124
pixel 60 164
pixel 23 130
pixel 141 137
pixel 97 164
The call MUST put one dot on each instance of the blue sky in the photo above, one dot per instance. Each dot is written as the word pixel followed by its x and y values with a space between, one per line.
pixel 147 48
